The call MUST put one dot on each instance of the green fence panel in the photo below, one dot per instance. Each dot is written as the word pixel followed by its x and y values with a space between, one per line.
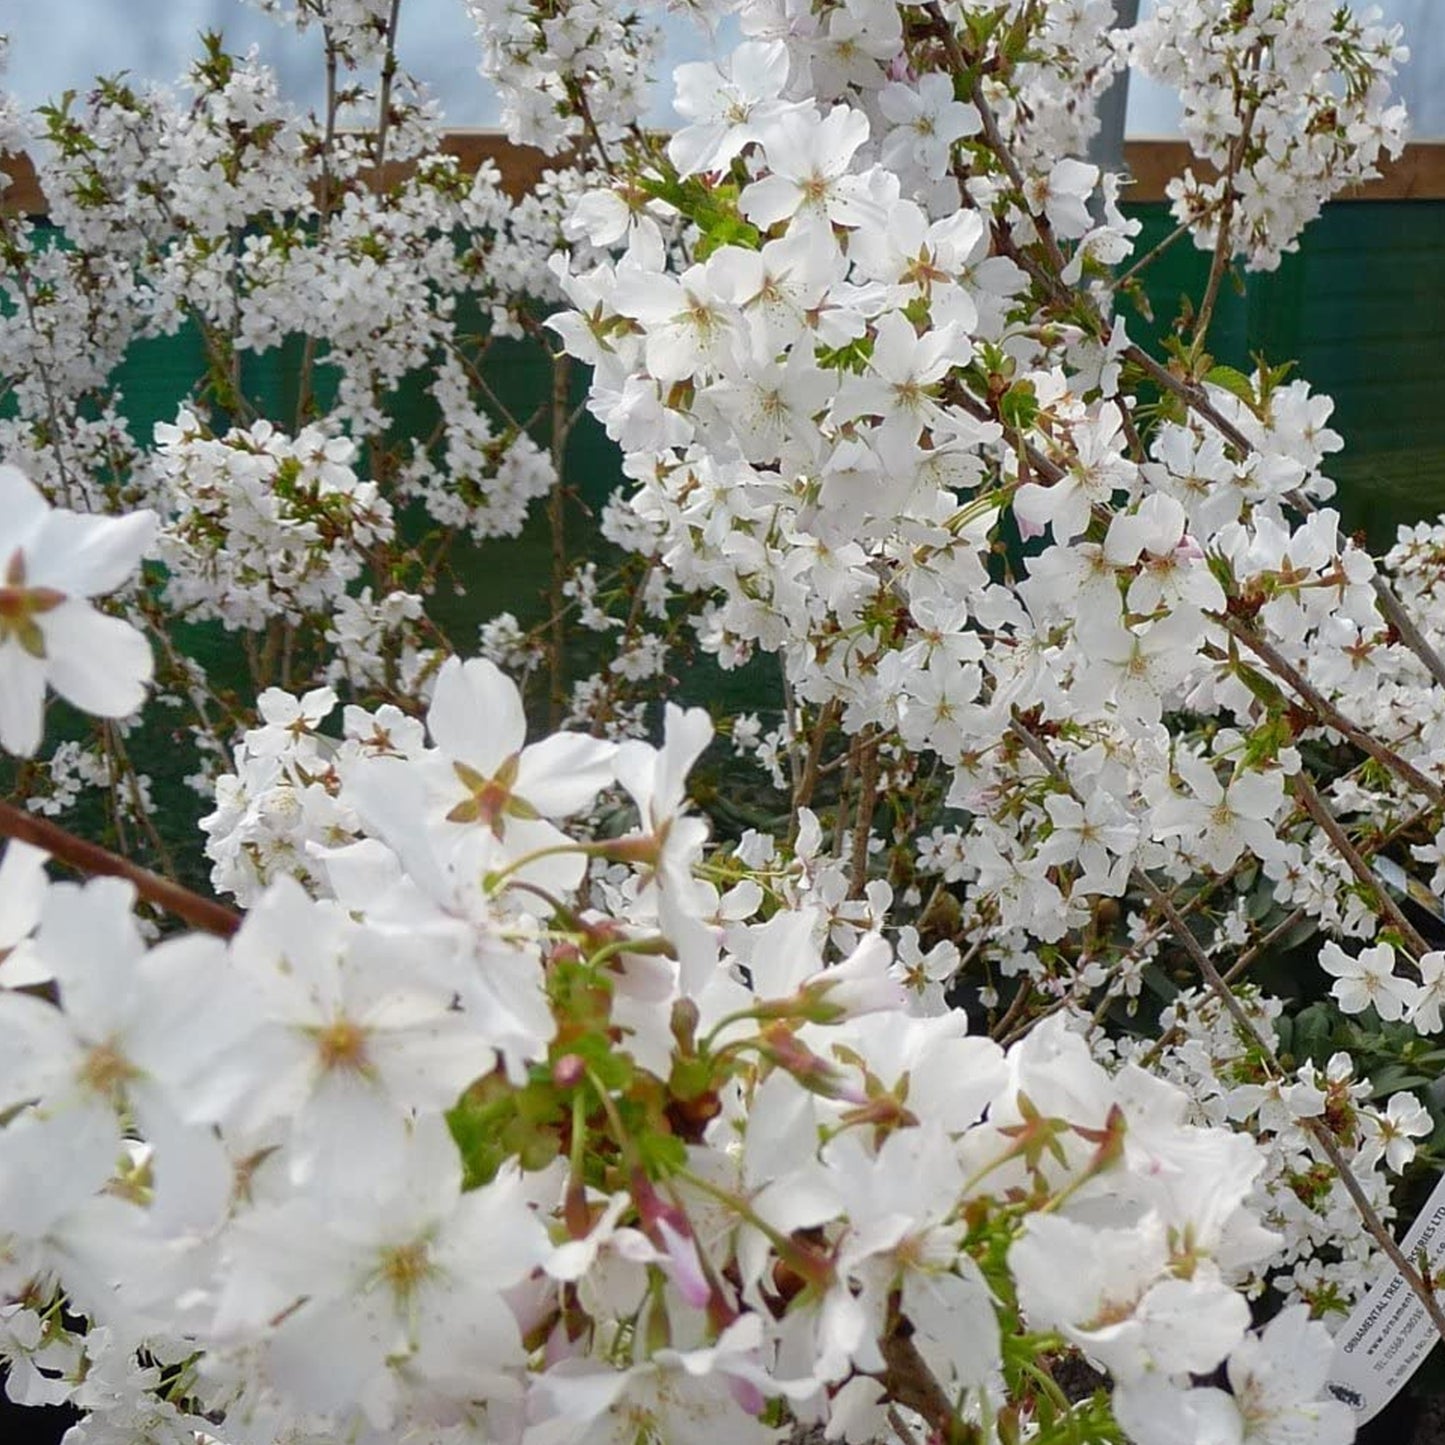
pixel 1361 308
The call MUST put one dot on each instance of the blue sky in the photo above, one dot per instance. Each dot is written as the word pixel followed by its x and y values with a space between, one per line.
pixel 60 44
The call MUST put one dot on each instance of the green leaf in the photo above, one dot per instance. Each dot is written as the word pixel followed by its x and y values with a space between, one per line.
pixel 661 1154
pixel 1300 934
pixel 1261 687
pixel 1159 983
pixel 1019 406
pixel 1392 1080
pixel 1265 742
pixel 1313 1032
pixel 476 1130
pixel 1235 382
pixel 852 357
pixel 728 230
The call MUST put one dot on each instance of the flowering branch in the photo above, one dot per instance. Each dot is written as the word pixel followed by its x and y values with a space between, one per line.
pixel 1314 805
pixel 1319 1130
pixel 1329 715
pixel 507 1005
pixel 909 1381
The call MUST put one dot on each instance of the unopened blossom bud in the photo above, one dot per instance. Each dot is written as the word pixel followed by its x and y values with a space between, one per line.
pixel 859 985
pixel 569 1071
pixel 781 1046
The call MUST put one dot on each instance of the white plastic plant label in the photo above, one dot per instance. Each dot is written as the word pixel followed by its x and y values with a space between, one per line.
pixel 1389 1334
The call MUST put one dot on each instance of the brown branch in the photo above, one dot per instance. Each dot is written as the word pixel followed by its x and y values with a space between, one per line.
pixel 1224 242
pixel 383 103
pixel 1314 805
pixel 1156 251
pixel 1257 950
pixel 845 792
pixel 1015 1011
pixel 325 204
pixel 868 768
pixel 1327 713
pixel 557 529
pixel 86 857
pixel 1318 1129
pixel 1240 966
pixel 808 780
pixel 910 1382
pixel 900 1426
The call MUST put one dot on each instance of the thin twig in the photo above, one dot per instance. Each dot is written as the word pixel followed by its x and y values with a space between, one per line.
pixel 808 780
pixel 845 792
pixel 1314 805
pixel 383 101
pixel 116 743
pixel 47 385
pixel 1017 1006
pixel 1318 1129
pixel 908 1380
pixel 1327 713
pixel 326 201
pixel 1157 250
pixel 1404 625
pixel 900 1427
pixel 557 525
pixel 867 802
pixel 1224 241
pixel 1261 946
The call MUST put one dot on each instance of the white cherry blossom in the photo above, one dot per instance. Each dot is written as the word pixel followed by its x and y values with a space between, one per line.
pixel 1367 980
pixel 54 561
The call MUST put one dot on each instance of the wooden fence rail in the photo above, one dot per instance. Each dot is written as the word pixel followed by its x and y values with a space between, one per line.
pixel 1419 174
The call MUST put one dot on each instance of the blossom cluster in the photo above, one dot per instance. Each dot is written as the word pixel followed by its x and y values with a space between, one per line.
pixel 567 70
pixel 359 29
pixel 1286 102
pixel 259 524
pixel 360 266
pixel 702 1157
pixel 822 467
pixel 831 407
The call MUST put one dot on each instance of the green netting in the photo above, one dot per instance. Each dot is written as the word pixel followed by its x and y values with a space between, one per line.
pixel 1361 308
